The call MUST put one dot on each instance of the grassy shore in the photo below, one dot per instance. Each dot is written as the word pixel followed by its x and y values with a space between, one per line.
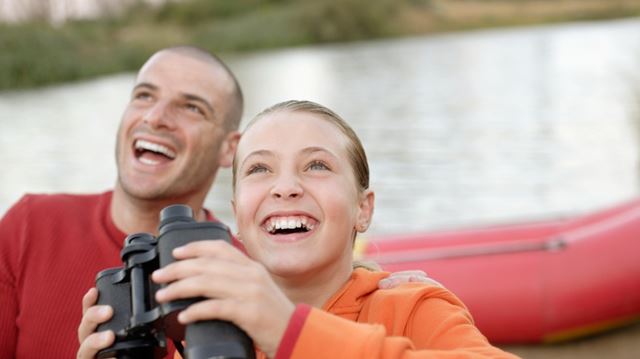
pixel 37 53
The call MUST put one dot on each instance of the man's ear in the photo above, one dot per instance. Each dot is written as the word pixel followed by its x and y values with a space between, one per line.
pixel 233 208
pixel 228 148
pixel 365 210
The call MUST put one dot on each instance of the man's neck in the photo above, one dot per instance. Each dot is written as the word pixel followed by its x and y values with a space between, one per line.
pixel 132 215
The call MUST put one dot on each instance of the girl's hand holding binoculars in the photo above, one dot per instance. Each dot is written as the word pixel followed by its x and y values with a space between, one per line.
pixel 237 289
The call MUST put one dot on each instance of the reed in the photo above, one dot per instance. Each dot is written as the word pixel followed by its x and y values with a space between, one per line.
pixel 35 52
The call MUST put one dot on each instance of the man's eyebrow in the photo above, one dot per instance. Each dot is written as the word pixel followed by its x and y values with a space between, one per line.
pixel 146 85
pixel 188 96
pixel 201 100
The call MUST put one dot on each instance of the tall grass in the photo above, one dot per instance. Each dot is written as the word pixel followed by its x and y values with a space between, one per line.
pixel 37 53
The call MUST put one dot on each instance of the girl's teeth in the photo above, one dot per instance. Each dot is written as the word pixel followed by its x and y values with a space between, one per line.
pixel 288 223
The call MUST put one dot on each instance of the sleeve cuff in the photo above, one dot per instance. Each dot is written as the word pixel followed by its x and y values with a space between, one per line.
pixel 292 332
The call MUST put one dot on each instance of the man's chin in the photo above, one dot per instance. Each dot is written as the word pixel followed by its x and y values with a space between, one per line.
pixel 146 191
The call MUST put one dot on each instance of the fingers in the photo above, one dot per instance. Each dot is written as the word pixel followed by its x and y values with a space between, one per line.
pixel 204 277
pixel 90 298
pixel 413 276
pixel 94 343
pixel 409 273
pixel 93 315
pixel 206 310
pixel 209 248
pixel 426 280
pixel 204 269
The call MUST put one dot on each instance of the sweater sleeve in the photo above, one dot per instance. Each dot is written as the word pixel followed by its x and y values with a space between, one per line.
pixel 10 239
pixel 435 328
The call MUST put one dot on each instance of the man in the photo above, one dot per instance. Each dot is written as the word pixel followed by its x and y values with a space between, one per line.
pixel 179 127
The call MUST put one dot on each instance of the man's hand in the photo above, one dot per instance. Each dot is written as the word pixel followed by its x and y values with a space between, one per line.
pixel 397 278
pixel 93 315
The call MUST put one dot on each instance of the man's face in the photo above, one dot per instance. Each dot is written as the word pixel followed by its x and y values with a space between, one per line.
pixel 172 136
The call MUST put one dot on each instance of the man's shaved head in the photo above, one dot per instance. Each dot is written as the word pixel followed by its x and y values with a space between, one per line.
pixel 234 115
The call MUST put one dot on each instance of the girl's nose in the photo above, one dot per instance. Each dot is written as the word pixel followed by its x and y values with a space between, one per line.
pixel 286 187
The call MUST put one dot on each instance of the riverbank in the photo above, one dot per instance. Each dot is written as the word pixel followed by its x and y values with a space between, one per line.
pixel 37 53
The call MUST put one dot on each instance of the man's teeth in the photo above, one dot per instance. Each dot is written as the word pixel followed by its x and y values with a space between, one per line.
pixel 288 223
pixel 154 147
pixel 147 161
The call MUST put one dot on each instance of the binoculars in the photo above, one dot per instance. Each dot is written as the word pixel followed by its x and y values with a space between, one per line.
pixel 142 327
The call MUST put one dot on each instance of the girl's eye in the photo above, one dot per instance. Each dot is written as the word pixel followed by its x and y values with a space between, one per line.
pixel 317 166
pixel 257 168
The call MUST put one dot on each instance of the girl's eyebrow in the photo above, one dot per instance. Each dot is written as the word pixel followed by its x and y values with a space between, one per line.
pixel 304 151
pixel 256 153
pixel 312 149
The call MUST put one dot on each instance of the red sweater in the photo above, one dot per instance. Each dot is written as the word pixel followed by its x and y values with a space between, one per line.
pixel 51 248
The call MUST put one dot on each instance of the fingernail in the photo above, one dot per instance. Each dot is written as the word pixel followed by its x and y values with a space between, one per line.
pixel 104 337
pixel 177 251
pixel 160 294
pixel 384 283
pixel 103 311
pixel 157 273
pixel 182 318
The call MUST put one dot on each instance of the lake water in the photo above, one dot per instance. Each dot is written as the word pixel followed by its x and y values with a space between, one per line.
pixel 461 129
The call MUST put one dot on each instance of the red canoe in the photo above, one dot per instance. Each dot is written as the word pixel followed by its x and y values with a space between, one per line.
pixel 534 282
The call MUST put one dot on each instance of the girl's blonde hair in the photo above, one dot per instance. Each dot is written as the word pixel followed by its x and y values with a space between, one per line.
pixel 357 156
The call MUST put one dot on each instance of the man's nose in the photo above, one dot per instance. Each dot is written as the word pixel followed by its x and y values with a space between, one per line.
pixel 286 187
pixel 158 116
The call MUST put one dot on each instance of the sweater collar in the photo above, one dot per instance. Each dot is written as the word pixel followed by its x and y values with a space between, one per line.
pixel 350 297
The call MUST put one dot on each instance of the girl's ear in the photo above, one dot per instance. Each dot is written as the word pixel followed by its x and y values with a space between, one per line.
pixel 365 210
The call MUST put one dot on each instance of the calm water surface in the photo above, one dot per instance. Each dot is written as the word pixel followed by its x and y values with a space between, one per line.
pixel 461 129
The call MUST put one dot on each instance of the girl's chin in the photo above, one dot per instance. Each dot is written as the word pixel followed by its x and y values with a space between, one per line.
pixel 288 269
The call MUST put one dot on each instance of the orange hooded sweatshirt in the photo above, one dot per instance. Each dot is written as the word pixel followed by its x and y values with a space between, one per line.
pixel 412 321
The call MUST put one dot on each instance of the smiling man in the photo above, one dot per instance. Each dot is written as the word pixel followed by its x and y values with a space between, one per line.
pixel 179 127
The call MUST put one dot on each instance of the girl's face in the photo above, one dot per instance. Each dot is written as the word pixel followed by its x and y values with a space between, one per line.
pixel 296 201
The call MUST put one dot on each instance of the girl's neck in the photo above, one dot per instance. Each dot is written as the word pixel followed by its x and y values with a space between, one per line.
pixel 316 287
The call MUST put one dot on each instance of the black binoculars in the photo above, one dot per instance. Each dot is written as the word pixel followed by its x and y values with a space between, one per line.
pixel 141 326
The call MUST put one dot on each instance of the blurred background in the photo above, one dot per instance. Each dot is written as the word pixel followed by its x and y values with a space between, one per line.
pixel 473 112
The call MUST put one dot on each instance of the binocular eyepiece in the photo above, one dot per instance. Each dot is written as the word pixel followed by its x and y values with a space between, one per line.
pixel 141 325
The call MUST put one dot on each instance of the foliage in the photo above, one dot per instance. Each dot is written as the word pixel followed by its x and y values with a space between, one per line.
pixel 38 53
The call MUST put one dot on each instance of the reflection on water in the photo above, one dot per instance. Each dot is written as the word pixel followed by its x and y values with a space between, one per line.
pixel 465 128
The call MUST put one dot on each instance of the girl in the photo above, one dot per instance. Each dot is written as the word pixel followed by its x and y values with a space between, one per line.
pixel 301 194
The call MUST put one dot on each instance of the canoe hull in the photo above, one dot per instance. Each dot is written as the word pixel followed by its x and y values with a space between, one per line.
pixel 533 282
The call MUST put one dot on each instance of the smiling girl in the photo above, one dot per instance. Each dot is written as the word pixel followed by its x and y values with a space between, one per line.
pixel 301 194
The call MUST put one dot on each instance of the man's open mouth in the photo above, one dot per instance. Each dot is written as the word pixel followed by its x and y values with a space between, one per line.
pixel 289 224
pixel 152 153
